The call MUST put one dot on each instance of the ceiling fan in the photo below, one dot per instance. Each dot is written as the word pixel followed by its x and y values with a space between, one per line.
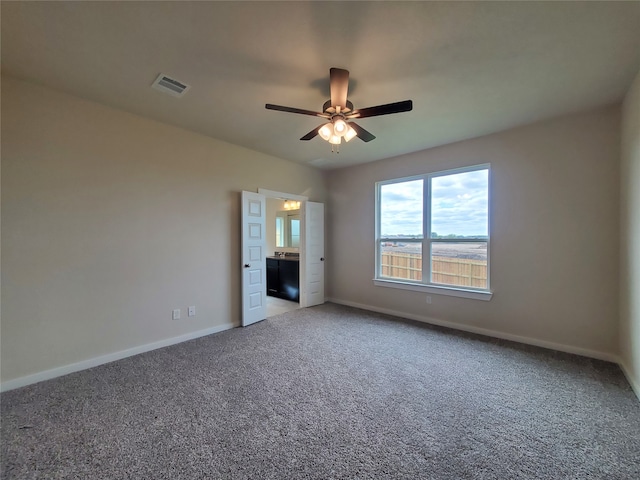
pixel 340 113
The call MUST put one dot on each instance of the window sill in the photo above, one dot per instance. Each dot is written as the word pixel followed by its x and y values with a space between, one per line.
pixel 436 290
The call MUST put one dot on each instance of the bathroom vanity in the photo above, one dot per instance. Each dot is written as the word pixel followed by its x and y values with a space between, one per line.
pixel 283 277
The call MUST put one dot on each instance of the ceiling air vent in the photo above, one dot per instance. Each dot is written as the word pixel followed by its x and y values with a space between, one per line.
pixel 170 85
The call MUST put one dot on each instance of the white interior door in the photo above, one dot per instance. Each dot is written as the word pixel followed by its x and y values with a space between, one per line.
pixel 254 264
pixel 312 254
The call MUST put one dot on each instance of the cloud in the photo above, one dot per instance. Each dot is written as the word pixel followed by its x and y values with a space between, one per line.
pixel 459 205
pixel 401 208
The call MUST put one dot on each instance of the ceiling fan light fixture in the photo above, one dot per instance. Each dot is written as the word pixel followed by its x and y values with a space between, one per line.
pixel 350 133
pixel 338 112
pixel 326 131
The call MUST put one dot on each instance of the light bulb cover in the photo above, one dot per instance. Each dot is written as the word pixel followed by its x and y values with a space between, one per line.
pixel 335 140
pixel 326 131
pixel 350 133
pixel 340 127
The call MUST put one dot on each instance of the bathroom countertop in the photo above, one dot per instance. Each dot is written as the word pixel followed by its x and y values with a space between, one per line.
pixel 290 258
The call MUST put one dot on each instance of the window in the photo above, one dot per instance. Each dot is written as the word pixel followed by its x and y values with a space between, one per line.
pixel 294 229
pixel 442 216
pixel 288 228
pixel 279 231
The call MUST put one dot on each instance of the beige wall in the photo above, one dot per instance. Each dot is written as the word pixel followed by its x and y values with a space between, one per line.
pixel 110 221
pixel 630 236
pixel 554 227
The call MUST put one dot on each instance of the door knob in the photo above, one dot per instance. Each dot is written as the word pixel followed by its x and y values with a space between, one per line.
pixel 322 259
pixel 246 265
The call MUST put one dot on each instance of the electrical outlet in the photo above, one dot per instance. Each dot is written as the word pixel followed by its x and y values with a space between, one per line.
pixel 192 311
pixel 176 314
pixel 429 299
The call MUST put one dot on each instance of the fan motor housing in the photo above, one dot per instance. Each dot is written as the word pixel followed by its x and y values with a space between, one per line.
pixel 329 109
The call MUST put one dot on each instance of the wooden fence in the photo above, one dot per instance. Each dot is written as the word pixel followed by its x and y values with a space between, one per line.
pixel 446 270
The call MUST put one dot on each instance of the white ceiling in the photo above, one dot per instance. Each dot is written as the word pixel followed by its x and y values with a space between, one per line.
pixel 471 68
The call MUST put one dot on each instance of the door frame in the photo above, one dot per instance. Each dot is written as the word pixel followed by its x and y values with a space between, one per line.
pixel 281 195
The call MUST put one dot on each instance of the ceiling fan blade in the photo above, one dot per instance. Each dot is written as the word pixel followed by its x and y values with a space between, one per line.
pixel 362 133
pixel 339 79
pixel 311 134
pixel 387 109
pixel 280 108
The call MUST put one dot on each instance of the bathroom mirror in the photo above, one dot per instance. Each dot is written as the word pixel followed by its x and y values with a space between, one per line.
pixel 288 228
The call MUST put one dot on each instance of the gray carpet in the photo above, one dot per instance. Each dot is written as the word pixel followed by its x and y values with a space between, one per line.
pixel 329 392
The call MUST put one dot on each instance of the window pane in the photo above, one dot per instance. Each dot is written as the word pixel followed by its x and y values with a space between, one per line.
pixel 459 264
pixel 460 205
pixel 401 260
pixel 295 233
pixel 279 232
pixel 401 209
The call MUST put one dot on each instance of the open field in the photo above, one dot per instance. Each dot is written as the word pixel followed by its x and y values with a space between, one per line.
pixel 471 251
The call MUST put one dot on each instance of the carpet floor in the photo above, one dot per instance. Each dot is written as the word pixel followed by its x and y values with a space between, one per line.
pixel 329 392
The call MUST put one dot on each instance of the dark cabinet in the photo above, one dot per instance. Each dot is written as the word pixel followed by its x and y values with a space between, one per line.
pixel 283 278
pixel 273 286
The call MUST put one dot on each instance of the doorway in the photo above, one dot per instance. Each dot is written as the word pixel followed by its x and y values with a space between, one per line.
pixel 278 306
pixel 283 235
pixel 305 230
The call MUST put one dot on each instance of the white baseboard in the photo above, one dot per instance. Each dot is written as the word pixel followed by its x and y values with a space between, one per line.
pixel 111 357
pixel 635 386
pixel 609 357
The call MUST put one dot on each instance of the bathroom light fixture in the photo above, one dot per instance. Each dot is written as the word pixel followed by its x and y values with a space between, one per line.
pixel 291 205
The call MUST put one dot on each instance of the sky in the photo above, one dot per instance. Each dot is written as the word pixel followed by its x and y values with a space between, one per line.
pixel 459 205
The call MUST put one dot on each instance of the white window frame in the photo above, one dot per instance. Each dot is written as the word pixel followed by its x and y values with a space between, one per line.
pixel 426 285
pixel 280 230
